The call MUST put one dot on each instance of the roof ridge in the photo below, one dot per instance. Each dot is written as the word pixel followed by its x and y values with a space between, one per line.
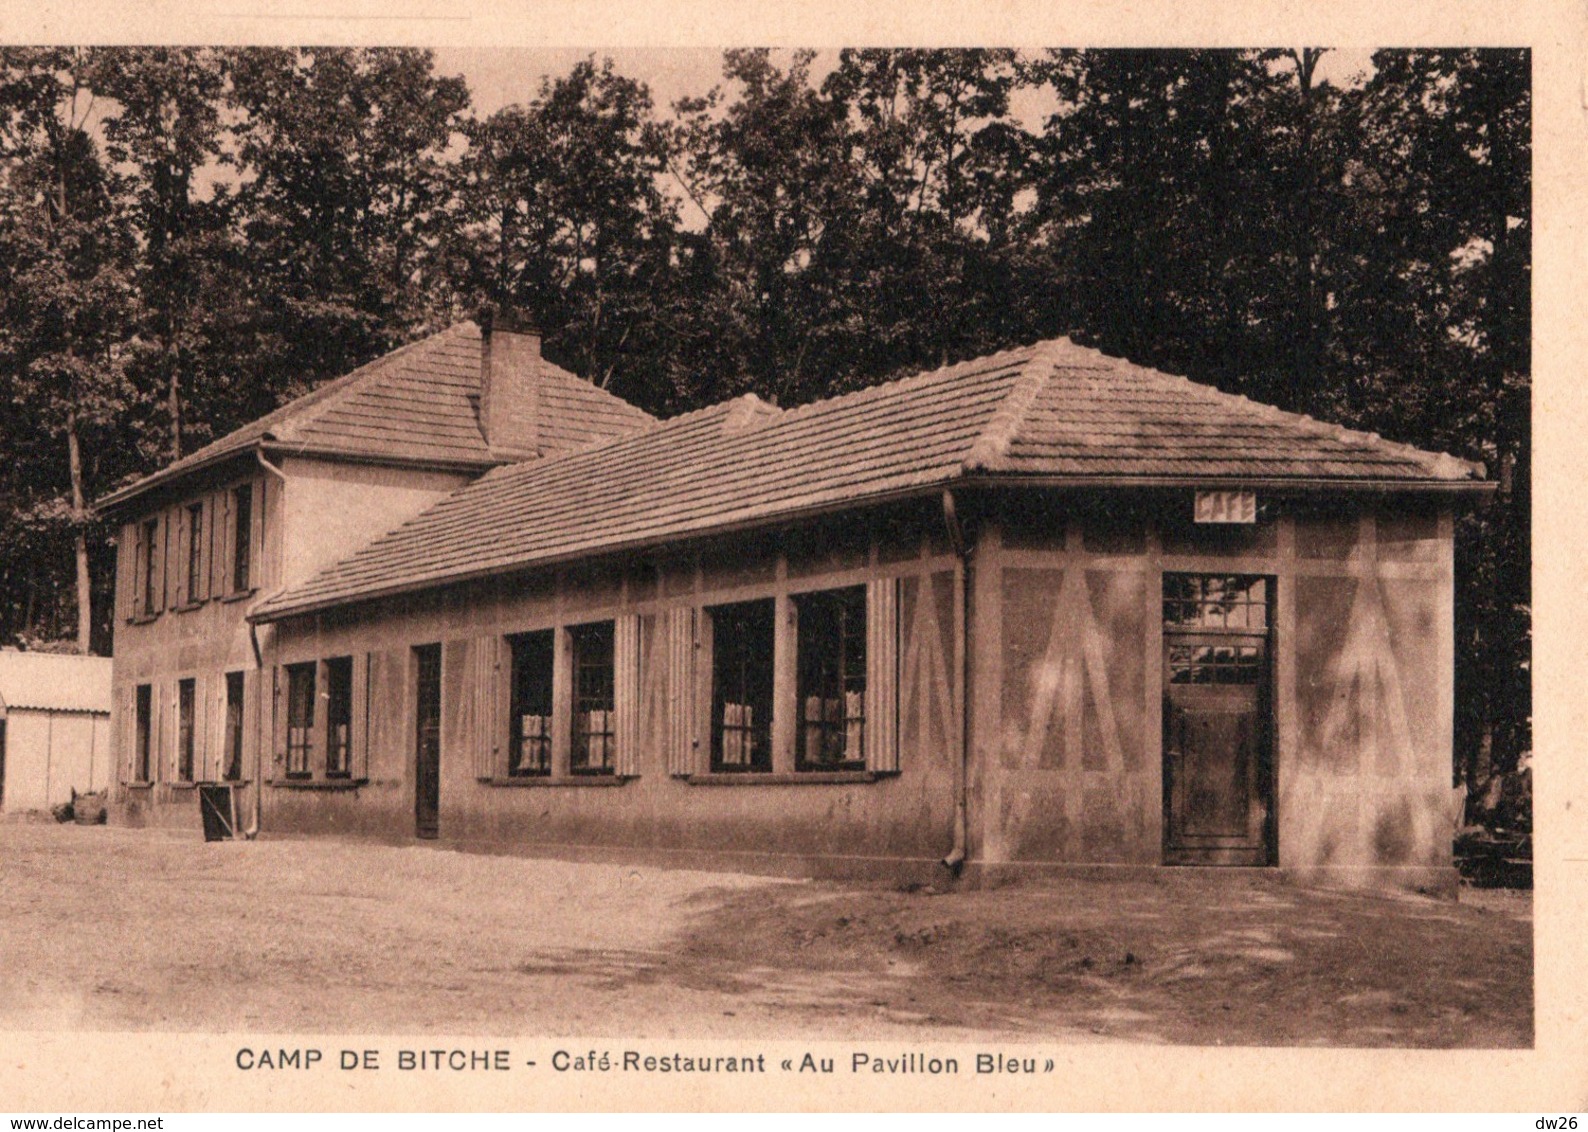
pixel 1438 462
pixel 968 367
pixel 749 412
pixel 993 443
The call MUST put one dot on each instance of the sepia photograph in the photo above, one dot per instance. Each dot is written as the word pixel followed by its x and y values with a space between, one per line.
pixel 958 552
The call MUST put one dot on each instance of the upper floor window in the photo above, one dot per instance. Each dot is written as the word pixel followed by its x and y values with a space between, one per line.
pixel 195 554
pixel 149 582
pixel 242 536
pixel 594 725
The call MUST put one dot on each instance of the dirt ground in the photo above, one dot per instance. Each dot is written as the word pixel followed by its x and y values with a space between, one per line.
pixel 110 929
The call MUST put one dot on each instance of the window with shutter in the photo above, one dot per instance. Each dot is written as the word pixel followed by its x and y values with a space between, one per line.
pixel 831 703
pixel 300 720
pixel 144 733
pixel 593 742
pixel 531 696
pixel 339 717
pixel 741 686
pixel 187 728
pixel 242 538
pixel 232 742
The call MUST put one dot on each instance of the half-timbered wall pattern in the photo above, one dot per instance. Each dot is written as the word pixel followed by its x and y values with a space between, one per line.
pixel 1361 723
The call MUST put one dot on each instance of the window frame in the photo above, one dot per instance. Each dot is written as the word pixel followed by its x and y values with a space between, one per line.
pixel 338 679
pixel 519 646
pixel 603 671
pixel 850 642
pixel 234 723
pixel 241 565
pixel 149 597
pixel 193 585
pixel 734 616
pixel 300 721
pixel 144 740
pixel 186 730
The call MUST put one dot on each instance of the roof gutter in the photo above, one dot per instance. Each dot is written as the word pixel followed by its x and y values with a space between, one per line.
pixel 1270 483
pixel 914 491
pixel 122 496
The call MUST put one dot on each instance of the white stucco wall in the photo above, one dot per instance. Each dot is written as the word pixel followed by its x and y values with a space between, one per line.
pixel 332 509
pixel 50 754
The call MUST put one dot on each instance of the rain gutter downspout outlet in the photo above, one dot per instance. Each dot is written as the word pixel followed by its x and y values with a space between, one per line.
pixel 259 664
pixel 955 861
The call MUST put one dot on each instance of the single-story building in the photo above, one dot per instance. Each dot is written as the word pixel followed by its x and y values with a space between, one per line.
pixel 1041 610
pixel 54 729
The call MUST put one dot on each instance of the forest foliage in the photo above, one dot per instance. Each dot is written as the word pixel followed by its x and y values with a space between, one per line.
pixel 189 237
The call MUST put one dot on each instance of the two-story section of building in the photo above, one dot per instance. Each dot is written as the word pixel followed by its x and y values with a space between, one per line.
pixel 204 540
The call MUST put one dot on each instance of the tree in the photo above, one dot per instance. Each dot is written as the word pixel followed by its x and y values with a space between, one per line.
pixel 934 263
pixel 63 285
pixel 771 173
pixel 166 130
pixel 561 214
pixel 1446 233
pixel 340 156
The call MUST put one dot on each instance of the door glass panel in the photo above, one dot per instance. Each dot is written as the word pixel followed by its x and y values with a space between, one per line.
pixel 1236 602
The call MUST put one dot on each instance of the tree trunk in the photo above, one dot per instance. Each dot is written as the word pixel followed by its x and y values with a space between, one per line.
pixel 173 382
pixel 85 619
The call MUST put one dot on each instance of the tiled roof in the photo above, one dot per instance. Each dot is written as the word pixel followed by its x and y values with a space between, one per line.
pixel 1051 412
pixel 54 682
pixel 418 404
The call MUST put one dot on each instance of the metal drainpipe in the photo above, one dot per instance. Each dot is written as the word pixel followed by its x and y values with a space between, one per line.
pixel 955 860
pixel 259 664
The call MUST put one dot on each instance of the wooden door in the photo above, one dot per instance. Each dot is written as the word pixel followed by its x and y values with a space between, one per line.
pixel 1218 782
pixel 427 742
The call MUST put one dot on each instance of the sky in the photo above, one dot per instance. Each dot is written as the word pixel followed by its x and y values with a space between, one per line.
pixel 501 76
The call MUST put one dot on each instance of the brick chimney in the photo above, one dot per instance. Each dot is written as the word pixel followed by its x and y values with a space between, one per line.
pixel 509 372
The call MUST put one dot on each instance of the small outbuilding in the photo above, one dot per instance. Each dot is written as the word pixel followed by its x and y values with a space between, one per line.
pixel 54 728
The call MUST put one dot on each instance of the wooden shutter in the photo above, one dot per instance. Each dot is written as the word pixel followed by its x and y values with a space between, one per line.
pixel 489 724
pixel 251 724
pixel 184 541
pixel 256 537
pixel 278 725
pixel 626 694
pixel 882 675
pixel 166 759
pixel 358 739
pixel 682 756
pixel 126 554
pixel 140 564
pixel 173 746
pixel 127 734
pixel 206 547
pixel 215 726
pixel 165 581
pixel 201 729
pixel 221 544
